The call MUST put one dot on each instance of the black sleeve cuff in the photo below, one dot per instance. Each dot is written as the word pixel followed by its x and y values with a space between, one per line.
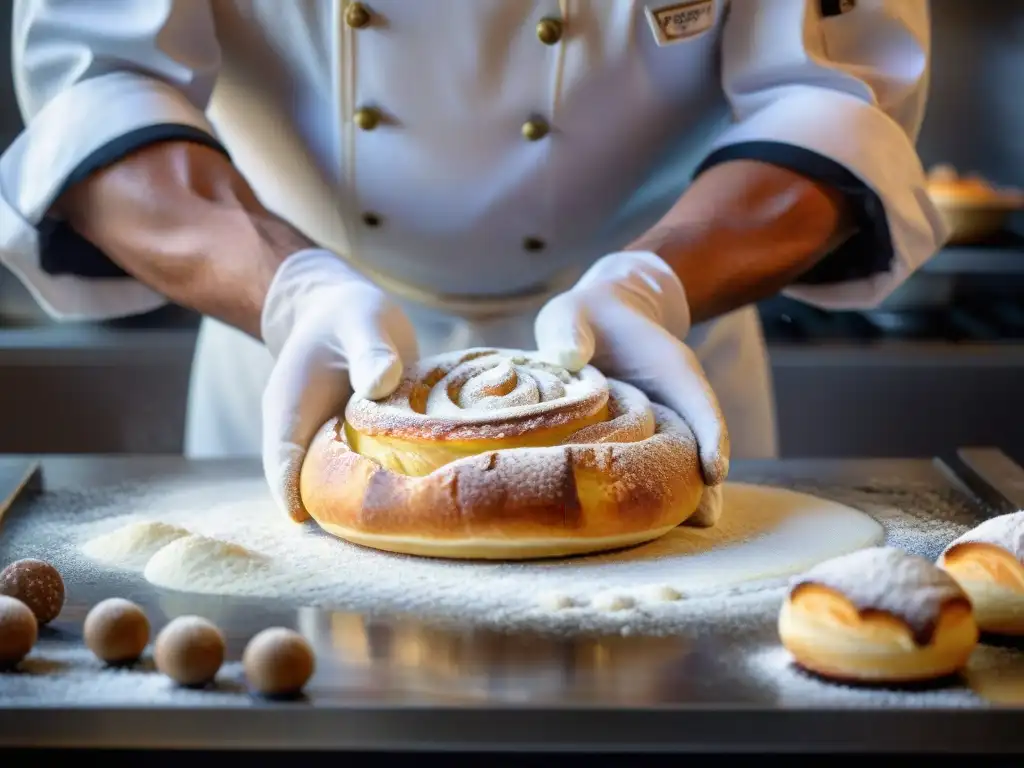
pixel 62 251
pixel 869 251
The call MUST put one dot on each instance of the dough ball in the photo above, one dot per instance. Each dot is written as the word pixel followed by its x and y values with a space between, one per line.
pixel 278 662
pixel 613 602
pixel 662 593
pixel 131 546
pixel 116 630
pixel 18 631
pixel 555 601
pixel 37 584
pixel 189 650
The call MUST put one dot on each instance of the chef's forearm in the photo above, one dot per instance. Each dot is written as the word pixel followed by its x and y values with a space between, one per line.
pixel 181 219
pixel 742 232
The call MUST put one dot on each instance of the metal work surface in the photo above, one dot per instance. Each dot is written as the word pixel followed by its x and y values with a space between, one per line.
pixel 387 682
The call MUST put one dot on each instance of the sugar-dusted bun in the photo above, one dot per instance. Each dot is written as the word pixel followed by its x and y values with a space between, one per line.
pixel 878 615
pixel 494 454
pixel 988 563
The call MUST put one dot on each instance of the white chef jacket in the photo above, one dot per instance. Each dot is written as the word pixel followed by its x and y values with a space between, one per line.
pixel 460 154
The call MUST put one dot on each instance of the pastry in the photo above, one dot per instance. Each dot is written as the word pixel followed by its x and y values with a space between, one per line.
pixel 974 209
pixel 878 615
pixel 988 563
pixel 493 454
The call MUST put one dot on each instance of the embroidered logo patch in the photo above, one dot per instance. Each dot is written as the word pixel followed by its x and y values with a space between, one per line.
pixel 673 23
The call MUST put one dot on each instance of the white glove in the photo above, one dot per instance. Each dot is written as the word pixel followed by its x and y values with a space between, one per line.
pixel 331 333
pixel 627 316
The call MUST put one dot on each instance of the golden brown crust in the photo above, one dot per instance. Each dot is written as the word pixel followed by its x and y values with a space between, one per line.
pixel 970 192
pixel 988 563
pixel 827 634
pixel 574 492
pixel 887 580
pixel 624 473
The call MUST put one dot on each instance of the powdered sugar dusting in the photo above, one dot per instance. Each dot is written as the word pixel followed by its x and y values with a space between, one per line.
pixel 481 394
pixel 1004 531
pixel 890 580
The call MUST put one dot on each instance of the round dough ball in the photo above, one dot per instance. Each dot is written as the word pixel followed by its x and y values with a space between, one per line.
pixel 613 602
pixel 189 650
pixel 278 662
pixel 116 630
pixel 37 584
pixel 18 631
pixel 662 593
pixel 555 601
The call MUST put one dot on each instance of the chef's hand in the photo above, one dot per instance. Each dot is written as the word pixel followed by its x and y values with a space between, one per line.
pixel 332 333
pixel 627 316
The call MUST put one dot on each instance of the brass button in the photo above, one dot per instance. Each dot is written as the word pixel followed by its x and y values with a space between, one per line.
pixel 367 118
pixel 357 16
pixel 535 129
pixel 371 219
pixel 549 31
pixel 533 244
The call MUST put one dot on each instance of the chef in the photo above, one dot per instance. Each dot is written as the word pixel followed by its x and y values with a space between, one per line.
pixel 339 186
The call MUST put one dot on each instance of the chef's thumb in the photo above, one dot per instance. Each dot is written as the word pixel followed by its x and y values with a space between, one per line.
pixel 563 333
pixel 682 385
pixel 374 364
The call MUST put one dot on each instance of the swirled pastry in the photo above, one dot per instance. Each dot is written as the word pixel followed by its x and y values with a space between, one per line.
pixel 878 615
pixel 988 562
pixel 495 454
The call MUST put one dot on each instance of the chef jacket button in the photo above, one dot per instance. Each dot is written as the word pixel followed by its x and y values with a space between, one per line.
pixel 535 129
pixel 533 244
pixel 367 118
pixel 357 16
pixel 371 219
pixel 549 31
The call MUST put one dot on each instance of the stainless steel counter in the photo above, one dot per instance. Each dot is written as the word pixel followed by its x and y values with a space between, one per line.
pixel 466 688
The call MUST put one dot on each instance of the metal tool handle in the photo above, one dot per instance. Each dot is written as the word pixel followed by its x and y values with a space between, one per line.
pixel 993 476
pixel 18 477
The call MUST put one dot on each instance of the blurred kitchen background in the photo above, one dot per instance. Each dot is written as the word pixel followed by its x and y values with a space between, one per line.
pixel 940 366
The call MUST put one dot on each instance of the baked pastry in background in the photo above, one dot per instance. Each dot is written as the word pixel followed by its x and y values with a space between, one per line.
pixel 974 209
pixel 878 615
pixel 495 454
pixel 988 563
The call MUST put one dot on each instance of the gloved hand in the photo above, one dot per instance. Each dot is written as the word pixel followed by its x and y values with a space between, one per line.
pixel 627 316
pixel 332 333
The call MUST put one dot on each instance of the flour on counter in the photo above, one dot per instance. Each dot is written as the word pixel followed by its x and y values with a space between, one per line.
pixel 57 673
pixel 677 584
pixel 994 675
pixel 132 545
pixel 239 544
